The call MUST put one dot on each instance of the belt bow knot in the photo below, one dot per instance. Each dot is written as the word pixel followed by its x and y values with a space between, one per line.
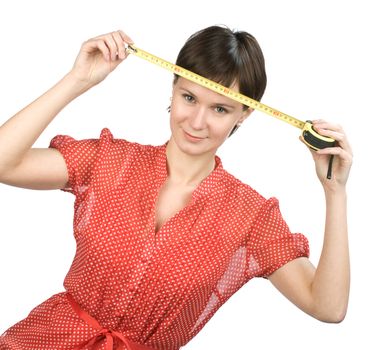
pixel 103 333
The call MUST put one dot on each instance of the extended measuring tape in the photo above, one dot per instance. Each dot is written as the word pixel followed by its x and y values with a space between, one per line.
pixel 310 136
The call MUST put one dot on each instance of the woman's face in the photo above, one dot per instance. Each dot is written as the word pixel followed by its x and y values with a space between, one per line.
pixel 201 119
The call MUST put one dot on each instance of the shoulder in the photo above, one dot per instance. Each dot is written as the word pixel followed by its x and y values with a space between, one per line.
pixel 244 205
pixel 127 147
pixel 244 195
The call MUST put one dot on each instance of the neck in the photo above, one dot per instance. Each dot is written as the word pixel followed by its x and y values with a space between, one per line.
pixel 185 169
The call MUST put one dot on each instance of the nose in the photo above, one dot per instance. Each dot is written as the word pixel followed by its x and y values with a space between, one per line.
pixel 198 119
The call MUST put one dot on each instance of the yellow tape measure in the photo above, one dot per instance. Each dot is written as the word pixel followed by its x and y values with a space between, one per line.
pixel 310 136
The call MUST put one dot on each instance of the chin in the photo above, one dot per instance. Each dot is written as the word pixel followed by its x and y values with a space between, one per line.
pixel 192 150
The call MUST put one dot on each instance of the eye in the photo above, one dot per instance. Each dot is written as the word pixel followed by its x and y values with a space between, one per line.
pixel 221 110
pixel 188 97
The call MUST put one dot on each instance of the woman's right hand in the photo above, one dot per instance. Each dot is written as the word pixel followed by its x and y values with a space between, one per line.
pixel 99 56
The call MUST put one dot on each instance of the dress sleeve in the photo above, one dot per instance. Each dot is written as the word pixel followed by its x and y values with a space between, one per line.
pixel 80 157
pixel 271 244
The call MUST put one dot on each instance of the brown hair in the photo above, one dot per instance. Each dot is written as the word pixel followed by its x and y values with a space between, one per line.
pixel 226 56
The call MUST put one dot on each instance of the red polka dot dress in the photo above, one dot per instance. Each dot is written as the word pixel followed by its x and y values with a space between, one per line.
pixel 132 288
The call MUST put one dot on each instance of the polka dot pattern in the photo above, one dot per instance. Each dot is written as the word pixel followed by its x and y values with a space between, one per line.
pixel 155 288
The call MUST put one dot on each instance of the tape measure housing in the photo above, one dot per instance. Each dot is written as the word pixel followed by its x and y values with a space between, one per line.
pixel 314 140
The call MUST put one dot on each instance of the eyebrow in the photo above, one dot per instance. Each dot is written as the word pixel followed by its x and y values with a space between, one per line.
pixel 217 103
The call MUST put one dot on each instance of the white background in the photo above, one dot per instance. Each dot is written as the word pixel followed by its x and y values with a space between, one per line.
pixel 320 58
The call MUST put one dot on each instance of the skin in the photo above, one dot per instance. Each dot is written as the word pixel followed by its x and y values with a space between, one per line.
pixel 322 292
pixel 206 115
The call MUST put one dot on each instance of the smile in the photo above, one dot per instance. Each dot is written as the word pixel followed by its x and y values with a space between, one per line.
pixel 193 138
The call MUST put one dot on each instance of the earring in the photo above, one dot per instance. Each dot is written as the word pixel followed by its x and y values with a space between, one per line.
pixel 234 129
pixel 169 107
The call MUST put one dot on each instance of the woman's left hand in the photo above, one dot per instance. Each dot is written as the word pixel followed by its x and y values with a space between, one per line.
pixel 343 156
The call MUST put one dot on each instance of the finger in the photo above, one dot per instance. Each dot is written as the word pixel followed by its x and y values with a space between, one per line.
pixel 111 44
pixel 336 135
pixel 336 151
pixel 93 45
pixel 104 49
pixel 336 132
pixel 125 37
pixel 323 124
pixel 120 45
pixel 317 121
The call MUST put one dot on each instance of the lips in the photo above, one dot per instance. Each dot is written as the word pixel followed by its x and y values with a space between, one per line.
pixel 194 137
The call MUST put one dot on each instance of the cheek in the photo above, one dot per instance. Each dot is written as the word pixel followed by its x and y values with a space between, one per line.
pixel 175 119
pixel 223 132
pixel 222 125
pixel 177 114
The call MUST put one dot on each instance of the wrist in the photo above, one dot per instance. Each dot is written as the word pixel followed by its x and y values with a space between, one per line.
pixel 335 192
pixel 78 85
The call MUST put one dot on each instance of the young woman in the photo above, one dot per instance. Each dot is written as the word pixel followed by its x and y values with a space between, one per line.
pixel 164 234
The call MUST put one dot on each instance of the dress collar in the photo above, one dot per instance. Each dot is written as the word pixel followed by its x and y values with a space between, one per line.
pixel 204 188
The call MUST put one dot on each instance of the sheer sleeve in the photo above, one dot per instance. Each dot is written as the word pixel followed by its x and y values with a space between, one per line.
pixel 80 157
pixel 271 244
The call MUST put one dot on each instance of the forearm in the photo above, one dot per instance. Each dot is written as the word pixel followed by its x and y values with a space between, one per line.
pixel 19 133
pixel 331 284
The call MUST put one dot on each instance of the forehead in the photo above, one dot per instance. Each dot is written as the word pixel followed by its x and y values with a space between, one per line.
pixel 200 91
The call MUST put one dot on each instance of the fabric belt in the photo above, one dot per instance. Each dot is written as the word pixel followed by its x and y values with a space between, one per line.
pixel 103 333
